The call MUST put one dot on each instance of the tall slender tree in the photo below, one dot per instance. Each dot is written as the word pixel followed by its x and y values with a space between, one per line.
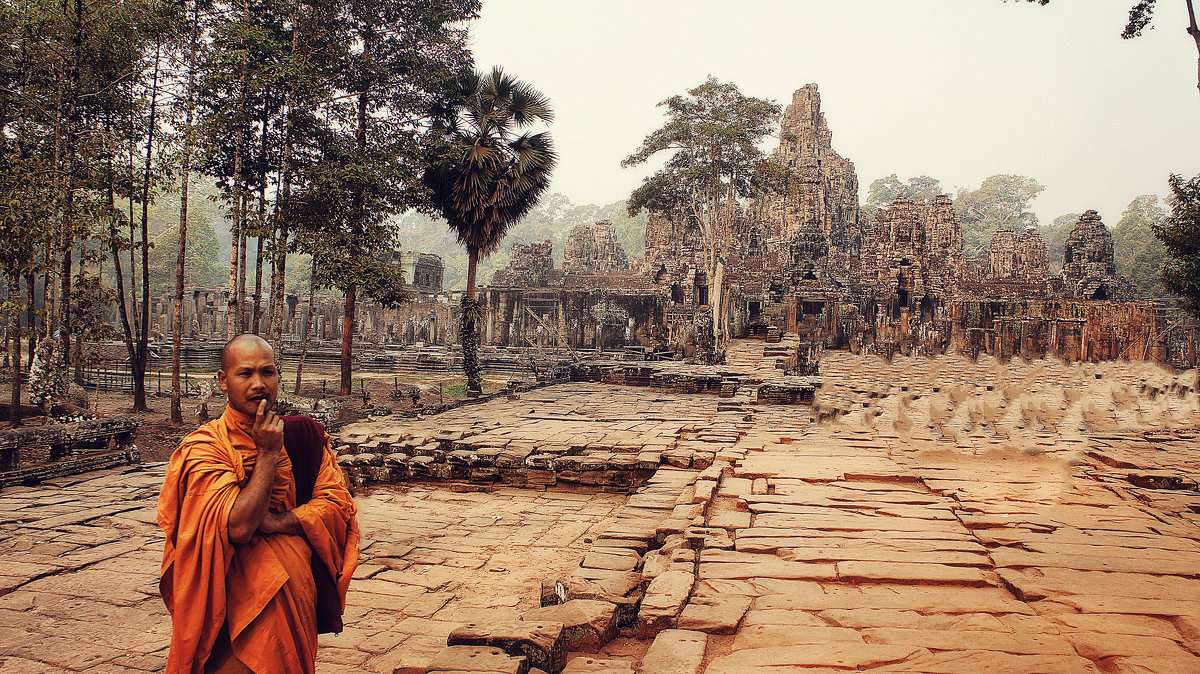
pixel 711 134
pixel 188 102
pixel 486 175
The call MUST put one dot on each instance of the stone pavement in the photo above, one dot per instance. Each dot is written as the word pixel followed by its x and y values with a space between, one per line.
pixel 79 559
pixel 927 515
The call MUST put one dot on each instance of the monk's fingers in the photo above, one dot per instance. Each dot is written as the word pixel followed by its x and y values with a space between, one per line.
pixel 260 414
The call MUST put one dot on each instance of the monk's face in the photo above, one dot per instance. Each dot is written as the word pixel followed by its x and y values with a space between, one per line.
pixel 249 376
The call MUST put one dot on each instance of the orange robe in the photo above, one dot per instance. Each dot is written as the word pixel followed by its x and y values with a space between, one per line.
pixel 262 589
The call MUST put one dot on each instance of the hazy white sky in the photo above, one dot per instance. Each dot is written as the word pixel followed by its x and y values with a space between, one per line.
pixel 955 89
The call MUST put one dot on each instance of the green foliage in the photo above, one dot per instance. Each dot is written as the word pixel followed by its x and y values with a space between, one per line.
pixel 1180 234
pixel 368 148
pixel 483 176
pixel 202 265
pixel 1140 16
pixel 1000 201
pixel 712 135
pixel 883 191
pixel 1138 254
pixel 1055 236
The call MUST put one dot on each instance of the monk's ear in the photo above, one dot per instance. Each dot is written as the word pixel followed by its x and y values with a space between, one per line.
pixel 222 382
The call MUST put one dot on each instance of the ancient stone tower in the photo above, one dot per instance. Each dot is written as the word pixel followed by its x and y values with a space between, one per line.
pixel 913 252
pixel 823 196
pixel 1016 257
pixel 594 249
pixel 1089 272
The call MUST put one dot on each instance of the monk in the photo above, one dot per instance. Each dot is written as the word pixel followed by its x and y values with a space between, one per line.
pixel 237 568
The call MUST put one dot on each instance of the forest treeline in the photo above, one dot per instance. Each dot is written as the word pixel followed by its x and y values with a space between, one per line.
pixel 308 124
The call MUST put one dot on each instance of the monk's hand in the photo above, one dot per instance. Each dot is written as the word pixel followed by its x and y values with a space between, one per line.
pixel 267 430
pixel 281 523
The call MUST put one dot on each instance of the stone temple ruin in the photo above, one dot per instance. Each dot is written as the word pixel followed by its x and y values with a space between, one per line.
pixel 806 259
pixel 803 258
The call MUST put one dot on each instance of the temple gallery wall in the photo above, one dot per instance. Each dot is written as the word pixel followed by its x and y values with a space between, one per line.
pixel 806 259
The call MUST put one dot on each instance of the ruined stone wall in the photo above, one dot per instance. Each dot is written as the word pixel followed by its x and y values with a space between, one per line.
pixel 1069 329
pixel 579 318
pixel 530 265
pixel 428 318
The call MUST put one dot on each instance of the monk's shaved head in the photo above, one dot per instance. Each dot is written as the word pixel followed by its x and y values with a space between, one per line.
pixel 248 374
pixel 241 342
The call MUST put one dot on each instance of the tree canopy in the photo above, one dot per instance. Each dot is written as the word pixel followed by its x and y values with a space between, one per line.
pixel 1002 200
pixel 1138 254
pixel 1180 234
pixel 712 134
pixel 486 172
pixel 884 191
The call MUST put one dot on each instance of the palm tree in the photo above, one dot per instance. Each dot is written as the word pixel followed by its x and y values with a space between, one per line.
pixel 485 177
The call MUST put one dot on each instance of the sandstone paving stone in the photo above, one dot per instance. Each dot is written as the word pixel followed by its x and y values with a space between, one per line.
pixel 773 636
pixel 587 624
pixel 1108 604
pixel 837 655
pixel 675 652
pixel 883 556
pixel 1034 584
pixel 663 602
pixel 713 614
pixel 539 641
pixel 476 659
pixel 775 568
pixel 969 660
pixel 987 640
pixel 1143 664
pixel 1007 557
pixel 916 573
pixel 788 617
pixel 587 665
pixel 1095 646
pixel 612 562
pixel 932 599
pixel 864 618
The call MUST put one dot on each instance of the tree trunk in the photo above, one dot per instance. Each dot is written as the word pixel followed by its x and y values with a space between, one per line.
pixel 283 209
pixel 141 362
pixel 347 338
pixel 1194 31
pixel 231 314
pixel 258 262
pixel 31 311
pixel 181 256
pixel 233 321
pixel 241 285
pixel 277 291
pixel 14 333
pixel 308 320
pixel 468 330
